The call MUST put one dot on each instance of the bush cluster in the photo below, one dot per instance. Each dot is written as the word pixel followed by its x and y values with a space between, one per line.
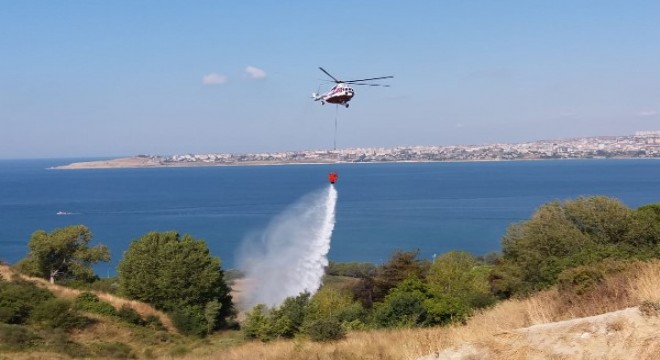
pixel 16 337
pixel 18 299
pixel 58 313
pixel 417 293
pixel 575 244
pixel 320 318
pixel 88 301
pixel 563 236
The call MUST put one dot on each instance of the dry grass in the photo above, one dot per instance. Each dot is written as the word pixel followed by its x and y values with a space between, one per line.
pixel 495 333
pixel 646 286
pixel 505 331
pixel 142 308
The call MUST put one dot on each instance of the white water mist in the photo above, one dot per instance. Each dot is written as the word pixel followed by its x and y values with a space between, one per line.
pixel 290 255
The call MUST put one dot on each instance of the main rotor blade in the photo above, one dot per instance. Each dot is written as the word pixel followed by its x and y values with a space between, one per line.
pixel 370 84
pixel 327 73
pixel 377 78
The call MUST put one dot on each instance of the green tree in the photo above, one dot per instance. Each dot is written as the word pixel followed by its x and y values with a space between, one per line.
pixel 400 266
pixel 287 319
pixel 458 275
pixel 328 302
pixel 605 220
pixel 175 273
pixel 63 253
pixel 332 303
pixel 563 235
pixel 404 305
pixel 284 321
pixel 257 324
pixel 352 269
pixel 325 329
pixel 645 229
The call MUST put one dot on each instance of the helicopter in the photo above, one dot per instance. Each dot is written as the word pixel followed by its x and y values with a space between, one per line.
pixel 342 93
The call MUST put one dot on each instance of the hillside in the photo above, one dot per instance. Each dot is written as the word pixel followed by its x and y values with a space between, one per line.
pixel 100 336
pixel 61 291
pixel 620 318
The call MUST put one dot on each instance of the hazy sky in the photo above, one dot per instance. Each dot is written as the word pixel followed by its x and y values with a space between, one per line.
pixel 115 78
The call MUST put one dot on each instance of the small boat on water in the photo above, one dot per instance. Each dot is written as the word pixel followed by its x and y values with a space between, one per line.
pixel 63 213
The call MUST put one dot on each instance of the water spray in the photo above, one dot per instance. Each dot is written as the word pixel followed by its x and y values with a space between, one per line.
pixel 289 257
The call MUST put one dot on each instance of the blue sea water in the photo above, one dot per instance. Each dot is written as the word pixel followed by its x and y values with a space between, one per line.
pixel 433 207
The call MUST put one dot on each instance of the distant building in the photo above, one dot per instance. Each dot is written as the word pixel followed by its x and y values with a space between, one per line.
pixel 647 133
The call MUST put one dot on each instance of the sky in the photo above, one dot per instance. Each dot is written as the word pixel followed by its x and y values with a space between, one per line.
pixel 120 78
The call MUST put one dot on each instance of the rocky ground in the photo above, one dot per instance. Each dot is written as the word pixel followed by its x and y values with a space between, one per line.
pixel 632 333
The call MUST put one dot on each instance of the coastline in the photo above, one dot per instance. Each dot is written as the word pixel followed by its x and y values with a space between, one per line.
pixel 639 146
pixel 138 162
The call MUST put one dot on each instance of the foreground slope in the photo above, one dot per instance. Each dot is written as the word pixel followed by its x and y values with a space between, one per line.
pixel 630 333
pixel 619 318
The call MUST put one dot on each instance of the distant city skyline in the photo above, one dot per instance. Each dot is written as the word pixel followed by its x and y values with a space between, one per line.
pixel 110 79
pixel 644 144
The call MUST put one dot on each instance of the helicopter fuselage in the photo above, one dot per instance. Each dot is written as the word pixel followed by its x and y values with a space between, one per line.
pixel 340 94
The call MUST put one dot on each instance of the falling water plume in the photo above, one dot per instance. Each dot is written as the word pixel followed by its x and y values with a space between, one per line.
pixel 290 255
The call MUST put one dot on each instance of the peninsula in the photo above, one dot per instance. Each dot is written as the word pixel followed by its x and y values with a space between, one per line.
pixel 644 144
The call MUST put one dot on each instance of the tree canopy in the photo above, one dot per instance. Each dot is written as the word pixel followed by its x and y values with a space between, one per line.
pixel 400 266
pixel 564 235
pixel 63 253
pixel 176 274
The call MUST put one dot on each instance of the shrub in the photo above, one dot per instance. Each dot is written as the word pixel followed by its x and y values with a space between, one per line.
pixel 211 312
pixel 650 308
pixel 58 314
pixel 565 235
pixel 352 269
pixel 256 325
pixel 400 309
pixel 325 329
pixel 444 310
pixel 16 337
pixel 128 314
pixel 353 316
pixel 18 299
pixel 153 337
pixel 59 342
pixel 88 301
pixel 289 317
pixel 404 305
pixel 584 279
pixel 153 322
pixel 179 350
pixel 190 320
pixel 113 350
pixel 107 285
pixel 401 266
pixel 580 280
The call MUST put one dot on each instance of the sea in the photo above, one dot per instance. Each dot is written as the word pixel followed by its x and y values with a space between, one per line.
pixel 432 208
